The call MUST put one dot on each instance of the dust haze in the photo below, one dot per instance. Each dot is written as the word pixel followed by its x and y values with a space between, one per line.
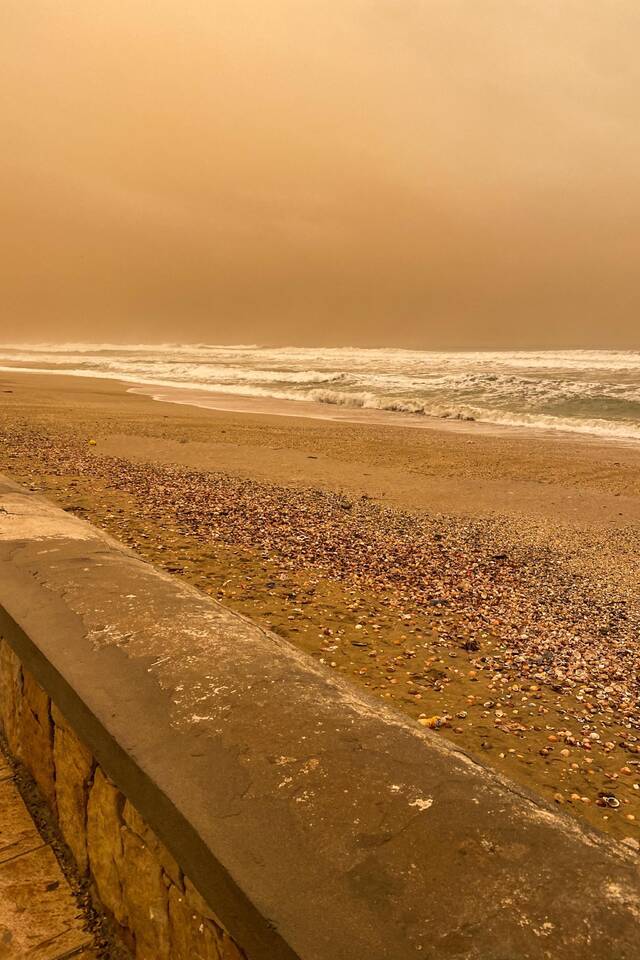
pixel 448 174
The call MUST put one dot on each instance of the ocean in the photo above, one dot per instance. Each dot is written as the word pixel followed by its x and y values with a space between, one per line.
pixel 595 392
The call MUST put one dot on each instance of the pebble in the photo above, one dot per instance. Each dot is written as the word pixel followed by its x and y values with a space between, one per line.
pixel 432 722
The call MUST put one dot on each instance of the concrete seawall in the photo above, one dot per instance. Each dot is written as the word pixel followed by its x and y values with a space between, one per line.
pixel 229 797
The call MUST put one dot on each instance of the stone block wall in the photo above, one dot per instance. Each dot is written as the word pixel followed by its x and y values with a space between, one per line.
pixel 155 907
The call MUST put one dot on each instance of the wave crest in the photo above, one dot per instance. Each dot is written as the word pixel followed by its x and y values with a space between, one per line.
pixel 580 391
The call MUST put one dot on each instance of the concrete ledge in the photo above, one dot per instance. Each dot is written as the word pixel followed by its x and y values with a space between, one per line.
pixel 313 822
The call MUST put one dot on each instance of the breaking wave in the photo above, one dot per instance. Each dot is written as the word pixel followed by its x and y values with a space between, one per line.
pixel 594 392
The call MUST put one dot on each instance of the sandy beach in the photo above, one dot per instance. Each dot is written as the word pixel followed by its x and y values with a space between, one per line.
pixel 484 582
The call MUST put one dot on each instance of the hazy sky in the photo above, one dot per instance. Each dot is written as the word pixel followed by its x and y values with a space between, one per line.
pixel 415 172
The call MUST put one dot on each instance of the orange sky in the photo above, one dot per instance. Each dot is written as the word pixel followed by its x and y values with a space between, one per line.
pixel 442 173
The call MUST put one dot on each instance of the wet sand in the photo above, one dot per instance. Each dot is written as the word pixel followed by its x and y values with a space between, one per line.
pixel 486 584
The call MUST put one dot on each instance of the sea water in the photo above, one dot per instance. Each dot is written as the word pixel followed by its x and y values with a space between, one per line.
pixel 586 391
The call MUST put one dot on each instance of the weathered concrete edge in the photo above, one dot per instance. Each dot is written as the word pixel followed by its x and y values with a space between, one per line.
pixel 152 800
pixel 249 927
pixel 177 832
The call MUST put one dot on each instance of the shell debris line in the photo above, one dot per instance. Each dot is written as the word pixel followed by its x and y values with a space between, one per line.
pixel 521 643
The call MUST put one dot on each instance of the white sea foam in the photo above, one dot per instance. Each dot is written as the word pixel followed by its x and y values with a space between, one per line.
pixel 594 392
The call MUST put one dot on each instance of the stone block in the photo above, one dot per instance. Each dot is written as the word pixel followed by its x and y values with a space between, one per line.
pixel 37 737
pixel 145 894
pixel 10 697
pixel 192 935
pixel 73 769
pixel 199 904
pixel 135 823
pixel 104 844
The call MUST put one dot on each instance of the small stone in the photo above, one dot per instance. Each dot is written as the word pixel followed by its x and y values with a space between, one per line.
pixel 432 722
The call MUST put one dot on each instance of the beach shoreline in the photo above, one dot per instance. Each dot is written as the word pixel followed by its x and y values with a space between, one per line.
pixel 450 466
pixel 487 581
pixel 447 404
pixel 305 409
